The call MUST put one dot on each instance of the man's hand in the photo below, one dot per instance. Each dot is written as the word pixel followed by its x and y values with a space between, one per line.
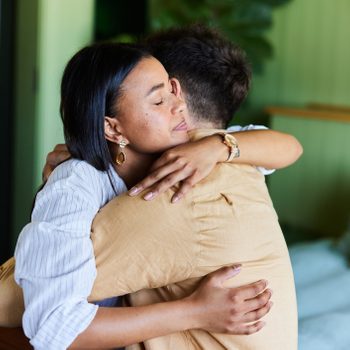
pixel 186 164
pixel 57 156
pixel 230 310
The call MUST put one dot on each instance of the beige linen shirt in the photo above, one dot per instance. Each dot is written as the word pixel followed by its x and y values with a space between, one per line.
pixel 227 218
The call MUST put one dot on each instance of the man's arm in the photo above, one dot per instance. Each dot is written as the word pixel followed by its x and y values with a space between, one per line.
pixel 53 159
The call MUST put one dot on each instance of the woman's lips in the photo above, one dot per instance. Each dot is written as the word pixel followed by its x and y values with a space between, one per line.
pixel 181 126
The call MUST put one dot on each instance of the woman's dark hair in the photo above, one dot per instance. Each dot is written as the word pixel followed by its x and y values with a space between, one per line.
pixel 91 83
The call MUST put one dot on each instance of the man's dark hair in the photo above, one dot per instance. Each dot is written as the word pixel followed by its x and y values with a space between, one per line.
pixel 213 72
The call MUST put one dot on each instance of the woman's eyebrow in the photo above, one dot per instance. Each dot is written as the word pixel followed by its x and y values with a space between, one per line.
pixel 154 88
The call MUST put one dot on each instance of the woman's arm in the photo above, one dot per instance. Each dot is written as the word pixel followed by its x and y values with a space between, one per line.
pixel 211 307
pixel 269 149
pixel 55 263
pixel 264 148
pixel 193 161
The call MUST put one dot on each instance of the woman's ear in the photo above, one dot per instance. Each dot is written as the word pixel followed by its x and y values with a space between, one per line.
pixel 113 130
pixel 175 84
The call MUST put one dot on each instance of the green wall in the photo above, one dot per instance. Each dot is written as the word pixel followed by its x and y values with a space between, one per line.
pixel 311 64
pixel 314 194
pixel 312 55
pixel 25 131
pixel 64 27
pixel 48 34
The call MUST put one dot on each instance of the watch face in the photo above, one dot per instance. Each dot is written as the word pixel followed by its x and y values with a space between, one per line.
pixel 230 140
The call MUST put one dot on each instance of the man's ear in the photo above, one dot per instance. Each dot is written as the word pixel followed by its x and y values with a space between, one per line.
pixel 113 130
pixel 175 84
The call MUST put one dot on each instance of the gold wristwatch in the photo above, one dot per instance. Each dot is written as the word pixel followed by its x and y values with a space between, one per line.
pixel 231 142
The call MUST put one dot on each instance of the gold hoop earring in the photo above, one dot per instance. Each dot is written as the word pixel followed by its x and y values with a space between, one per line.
pixel 121 156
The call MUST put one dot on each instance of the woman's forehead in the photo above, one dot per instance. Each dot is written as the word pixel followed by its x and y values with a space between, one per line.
pixel 146 75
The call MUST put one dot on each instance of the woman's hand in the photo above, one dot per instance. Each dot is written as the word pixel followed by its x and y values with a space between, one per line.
pixel 186 164
pixel 57 156
pixel 211 306
pixel 230 310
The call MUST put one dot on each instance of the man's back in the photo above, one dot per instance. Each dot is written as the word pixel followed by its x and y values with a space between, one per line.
pixel 227 218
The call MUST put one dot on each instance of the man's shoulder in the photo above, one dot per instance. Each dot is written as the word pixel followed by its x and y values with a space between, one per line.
pixel 136 205
pixel 226 177
pixel 229 175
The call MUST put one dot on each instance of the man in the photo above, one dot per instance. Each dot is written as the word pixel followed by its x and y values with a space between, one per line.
pixel 225 218
pixel 212 214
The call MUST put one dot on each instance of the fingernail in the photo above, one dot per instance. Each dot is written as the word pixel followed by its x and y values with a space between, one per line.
pixel 148 196
pixel 237 267
pixel 134 190
pixel 175 198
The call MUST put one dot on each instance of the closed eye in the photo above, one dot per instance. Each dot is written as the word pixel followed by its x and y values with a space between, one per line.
pixel 159 103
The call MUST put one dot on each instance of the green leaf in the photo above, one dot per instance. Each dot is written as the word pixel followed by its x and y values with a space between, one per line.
pixel 243 21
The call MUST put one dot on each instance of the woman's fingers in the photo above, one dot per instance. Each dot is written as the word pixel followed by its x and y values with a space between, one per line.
pixel 188 163
pixel 154 177
pixel 235 310
pixel 162 179
pixel 251 290
pixel 165 177
pixel 246 329
pixel 218 277
pixel 257 314
pixel 167 182
pixel 164 159
pixel 260 300
pixel 246 314
pixel 185 187
pixel 259 296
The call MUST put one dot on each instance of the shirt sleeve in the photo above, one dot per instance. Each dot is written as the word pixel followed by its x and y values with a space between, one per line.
pixel 236 128
pixel 55 264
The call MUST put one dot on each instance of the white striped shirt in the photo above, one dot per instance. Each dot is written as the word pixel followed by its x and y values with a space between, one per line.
pixel 55 263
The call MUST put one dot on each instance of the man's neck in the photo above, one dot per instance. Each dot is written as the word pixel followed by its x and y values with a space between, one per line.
pixel 201 124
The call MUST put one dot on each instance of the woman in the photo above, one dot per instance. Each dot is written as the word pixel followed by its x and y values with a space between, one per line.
pixel 99 122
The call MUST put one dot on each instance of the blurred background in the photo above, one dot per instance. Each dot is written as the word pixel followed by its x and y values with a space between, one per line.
pixel 301 57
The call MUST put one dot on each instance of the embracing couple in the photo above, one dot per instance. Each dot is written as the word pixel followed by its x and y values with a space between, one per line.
pixel 152 119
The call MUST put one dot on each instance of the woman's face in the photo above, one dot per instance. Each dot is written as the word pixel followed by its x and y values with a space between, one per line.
pixel 151 116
